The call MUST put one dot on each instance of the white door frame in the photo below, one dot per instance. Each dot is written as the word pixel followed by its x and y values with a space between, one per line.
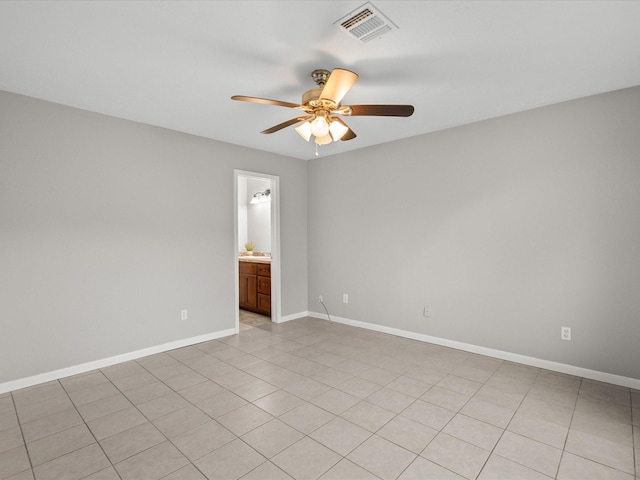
pixel 276 310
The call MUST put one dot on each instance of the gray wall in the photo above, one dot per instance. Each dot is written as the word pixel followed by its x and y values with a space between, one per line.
pixel 508 229
pixel 108 228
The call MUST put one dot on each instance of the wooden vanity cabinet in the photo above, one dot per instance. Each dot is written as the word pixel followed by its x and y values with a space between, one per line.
pixel 255 287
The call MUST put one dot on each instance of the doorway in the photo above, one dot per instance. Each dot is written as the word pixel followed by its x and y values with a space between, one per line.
pixel 257 221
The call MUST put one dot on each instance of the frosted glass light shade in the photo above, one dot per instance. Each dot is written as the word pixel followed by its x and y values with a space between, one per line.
pixel 337 130
pixel 304 130
pixel 320 126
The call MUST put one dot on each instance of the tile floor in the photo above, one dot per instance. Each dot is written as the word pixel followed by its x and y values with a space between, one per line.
pixel 308 399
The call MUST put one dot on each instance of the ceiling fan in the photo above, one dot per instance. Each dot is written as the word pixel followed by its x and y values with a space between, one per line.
pixel 323 111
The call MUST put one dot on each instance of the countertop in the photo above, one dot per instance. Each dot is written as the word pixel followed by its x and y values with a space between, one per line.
pixel 254 259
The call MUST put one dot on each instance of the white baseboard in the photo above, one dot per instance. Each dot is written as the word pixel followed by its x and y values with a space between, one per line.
pixel 293 316
pixel 107 362
pixel 490 352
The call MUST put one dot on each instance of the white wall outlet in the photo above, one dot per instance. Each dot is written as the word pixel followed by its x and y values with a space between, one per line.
pixel 427 311
pixel 184 314
pixel 320 298
pixel 345 298
pixel 565 333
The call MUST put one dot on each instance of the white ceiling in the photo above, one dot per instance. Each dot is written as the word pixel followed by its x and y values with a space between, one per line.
pixel 176 63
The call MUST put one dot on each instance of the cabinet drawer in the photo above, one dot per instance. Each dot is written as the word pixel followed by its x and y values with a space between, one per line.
pixel 248 268
pixel 264 304
pixel 264 269
pixel 264 285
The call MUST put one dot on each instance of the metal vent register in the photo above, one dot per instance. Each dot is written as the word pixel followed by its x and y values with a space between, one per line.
pixel 366 23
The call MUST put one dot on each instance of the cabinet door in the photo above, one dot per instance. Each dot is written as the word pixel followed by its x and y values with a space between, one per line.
pixel 248 291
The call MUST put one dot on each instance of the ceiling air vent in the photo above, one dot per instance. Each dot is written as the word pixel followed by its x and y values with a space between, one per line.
pixel 366 23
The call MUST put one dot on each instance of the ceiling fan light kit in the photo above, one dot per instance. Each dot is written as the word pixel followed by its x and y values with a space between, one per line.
pixel 323 109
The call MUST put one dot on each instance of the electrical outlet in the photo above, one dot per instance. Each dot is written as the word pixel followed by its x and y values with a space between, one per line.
pixel 427 311
pixel 184 314
pixel 345 298
pixel 565 333
pixel 320 298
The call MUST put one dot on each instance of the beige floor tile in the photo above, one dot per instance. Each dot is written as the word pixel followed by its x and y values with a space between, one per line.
pixel 345 469
pixel 543 431
pixel 272 437
pixel 161 406
pixel 602 408
pixel 607 429
pixel 58 444
pixel 105 474
pixel 409 386
pixel 75 465
pixel 427 414
pixel 230 461
pixel 422 469
pixel 474 431
pixel 307 389
pixel 134 381
pixel 460 385
pixel 391 400
pixel 278 402
pixel 456 455
pixel 36 411
pixel 132 441
pixel 244 419
pixel 317 459
pixel 14 461
pixel 510 400
pixel 407 433
pixel 606 391
pixel 38 393
pixel 266 471
pixel 148 392
pixel 368 416
pixel 307 417
pixel 445 398
pixel 499 468
pixel 392 394
pixel 202 440
pixel 117 422
pixel 335 401
pixel 10 438
pixel 201 391
pixel 488 412
pixel 535 455
pixel 340 435
pixel 49 425
pixel 381 457
pixel 600 450
pixel 377 375
pixel 90 394
pixel 154 463
pixel 104 406
pixel 254 390
pixel 180 421
pixel 551 393
pixel 188 472
pixel 548 411
pixel 573 467
pixel 221 404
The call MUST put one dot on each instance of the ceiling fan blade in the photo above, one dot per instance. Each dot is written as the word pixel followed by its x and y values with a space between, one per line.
pixel 349 134
pixel 339 83
pixel 286 124
pixel 382 110
pixel 266 101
